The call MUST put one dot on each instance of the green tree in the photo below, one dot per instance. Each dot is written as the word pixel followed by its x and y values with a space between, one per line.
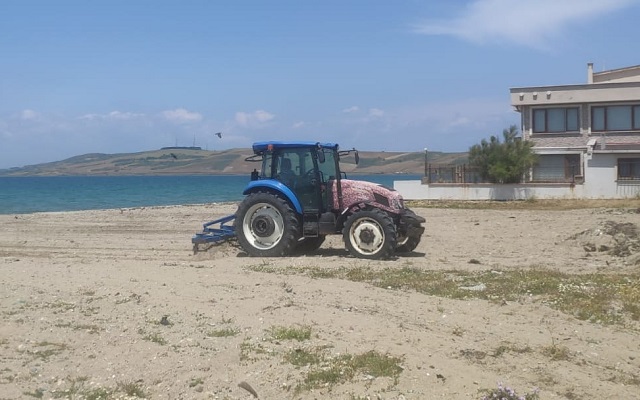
pixel 503 162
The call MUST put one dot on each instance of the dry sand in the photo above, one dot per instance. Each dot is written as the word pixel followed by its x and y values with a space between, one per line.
pixel 116 301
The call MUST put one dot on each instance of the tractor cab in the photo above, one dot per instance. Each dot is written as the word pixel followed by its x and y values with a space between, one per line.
pixel 310 170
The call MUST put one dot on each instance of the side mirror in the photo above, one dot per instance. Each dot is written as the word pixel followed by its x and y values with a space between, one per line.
pixel 321 157
pixel 357 157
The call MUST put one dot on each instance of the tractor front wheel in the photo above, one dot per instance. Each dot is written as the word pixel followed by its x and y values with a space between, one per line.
pixel 408 243
pixel 409 232
pixel 266 225
pixel 370 234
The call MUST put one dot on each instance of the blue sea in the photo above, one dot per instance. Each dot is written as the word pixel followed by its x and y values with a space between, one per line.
pixel 23 195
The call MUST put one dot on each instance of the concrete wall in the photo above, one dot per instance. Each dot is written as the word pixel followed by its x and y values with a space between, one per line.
pixel 415 190
pixel 600 182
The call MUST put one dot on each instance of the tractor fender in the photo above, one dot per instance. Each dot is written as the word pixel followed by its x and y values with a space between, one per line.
pixel 366 205
pixel 274 186
pixel 350 209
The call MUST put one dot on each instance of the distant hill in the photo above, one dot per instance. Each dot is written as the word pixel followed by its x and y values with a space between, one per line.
pixel 194 161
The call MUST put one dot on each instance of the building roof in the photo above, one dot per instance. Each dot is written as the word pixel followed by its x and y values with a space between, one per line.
pixel 606 86
pixel 628 74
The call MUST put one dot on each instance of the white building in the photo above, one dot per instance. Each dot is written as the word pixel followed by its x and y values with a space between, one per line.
pixel 587 137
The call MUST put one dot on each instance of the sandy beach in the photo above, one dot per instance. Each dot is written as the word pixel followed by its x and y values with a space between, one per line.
pixel 115 303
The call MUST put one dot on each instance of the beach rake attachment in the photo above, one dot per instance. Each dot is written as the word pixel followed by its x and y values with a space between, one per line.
pixel 212 235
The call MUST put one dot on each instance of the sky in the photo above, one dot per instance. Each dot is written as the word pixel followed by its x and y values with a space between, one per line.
pixel 114 76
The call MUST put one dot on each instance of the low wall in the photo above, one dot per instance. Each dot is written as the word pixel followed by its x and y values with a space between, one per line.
pixel 415 190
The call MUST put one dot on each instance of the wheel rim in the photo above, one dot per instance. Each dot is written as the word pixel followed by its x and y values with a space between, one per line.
pixel 367 236
pixel 263 226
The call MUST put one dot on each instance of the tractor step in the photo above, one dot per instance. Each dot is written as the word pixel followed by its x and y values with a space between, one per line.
pixel 310 225
pixel 315 224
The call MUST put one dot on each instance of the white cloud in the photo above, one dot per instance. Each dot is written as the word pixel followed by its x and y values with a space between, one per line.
pixel 124 115
pixel 298 125
pixel 351 109
pixel 531 23
pixel 376 113
pixel 119 115
pixel 254 119
pixel 90 116
pixel 28 114
pixel 181 115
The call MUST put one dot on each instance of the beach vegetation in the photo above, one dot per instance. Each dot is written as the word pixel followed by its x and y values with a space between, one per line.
pixel 76 388
pixel 154 337
pixel 195 382
pixel 132 389
pixel 45 350
pixel 89 328
pixel 226 320
pixel 36 394
pixel 332 370
pixel 506 393
pixel 510 348
pixel 80 388
pixel 604 298
pixel 303 357
pixel 251 351
pixel 557 352
pixel 299 333
pixel 223 332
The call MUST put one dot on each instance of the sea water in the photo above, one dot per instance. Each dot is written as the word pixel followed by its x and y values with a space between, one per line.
pixel 21 195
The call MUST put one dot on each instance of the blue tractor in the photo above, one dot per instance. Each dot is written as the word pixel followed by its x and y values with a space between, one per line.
pixel 300 195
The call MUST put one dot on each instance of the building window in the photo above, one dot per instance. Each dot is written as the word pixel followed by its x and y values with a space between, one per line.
pixel 629 169
pixel 615 118
pixel 554 120
pixel 557 168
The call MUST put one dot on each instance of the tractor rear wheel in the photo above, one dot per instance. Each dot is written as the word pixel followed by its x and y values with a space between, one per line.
pixel 266 225
pixel 370 234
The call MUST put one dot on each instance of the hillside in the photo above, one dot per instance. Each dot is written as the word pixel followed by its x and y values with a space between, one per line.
pixel 184 161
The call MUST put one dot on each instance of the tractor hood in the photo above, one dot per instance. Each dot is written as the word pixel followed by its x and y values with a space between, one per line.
pixel 354 192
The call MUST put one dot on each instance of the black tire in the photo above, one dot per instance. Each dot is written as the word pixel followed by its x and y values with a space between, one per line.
pixel 409 231
pixel 266 225
pixel 370 234
pixel 408 243
pixel 309 244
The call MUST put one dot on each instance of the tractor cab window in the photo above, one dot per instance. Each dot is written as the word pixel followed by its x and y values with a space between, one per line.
pixel 288 165
pixel 267 171
pixel 286 174
pixel 328 167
